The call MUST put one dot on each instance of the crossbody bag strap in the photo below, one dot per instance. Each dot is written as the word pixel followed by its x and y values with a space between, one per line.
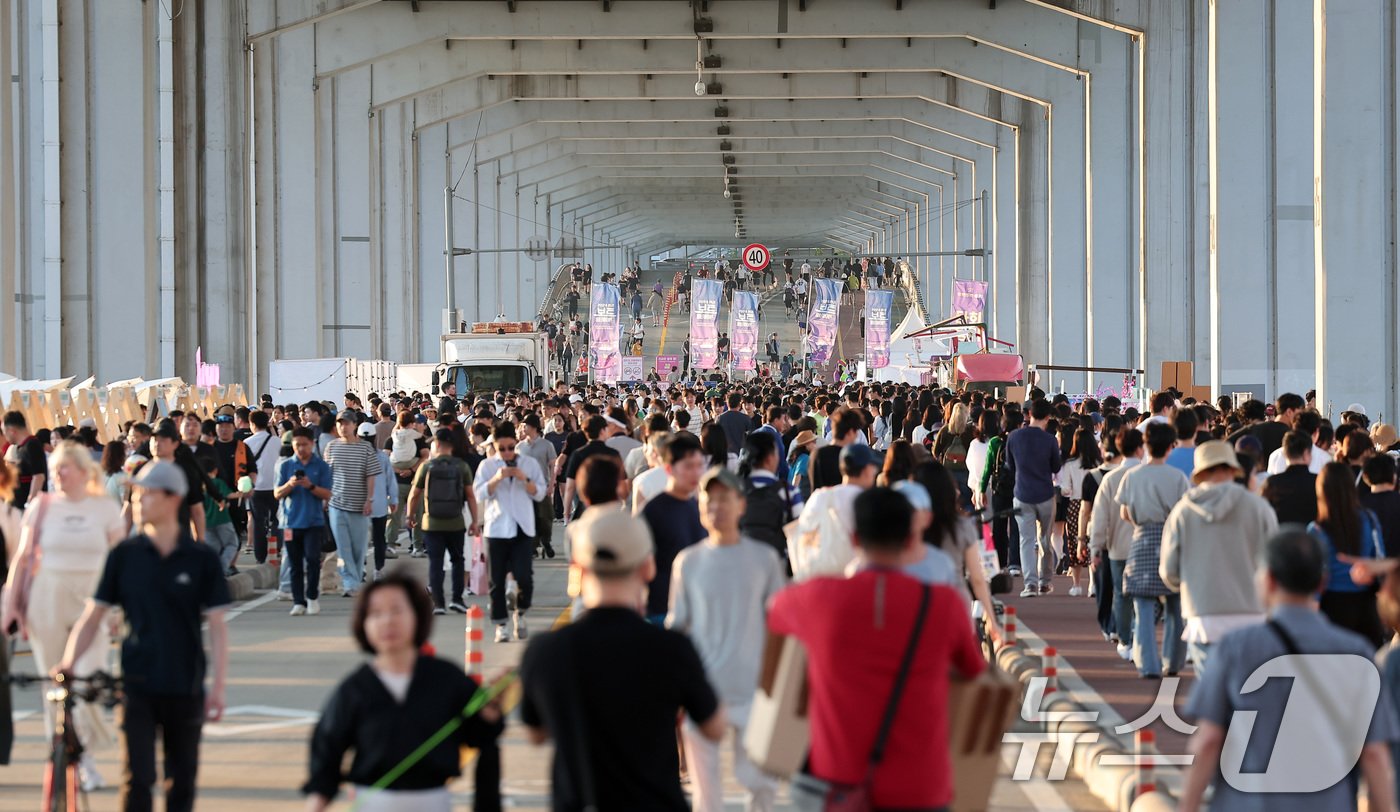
pixel 878 751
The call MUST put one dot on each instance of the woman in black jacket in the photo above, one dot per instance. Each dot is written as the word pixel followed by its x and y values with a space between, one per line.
pixel 390 706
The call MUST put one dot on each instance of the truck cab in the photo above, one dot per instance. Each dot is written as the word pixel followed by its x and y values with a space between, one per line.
pixel 495 355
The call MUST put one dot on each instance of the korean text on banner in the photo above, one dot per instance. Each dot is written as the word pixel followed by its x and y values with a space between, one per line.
pixel 633 368
pixel 743 318
pixel 822 318
pixel 969 298
pixel 704 323
pixel 666 363
pixel 879 308
pixel 604 333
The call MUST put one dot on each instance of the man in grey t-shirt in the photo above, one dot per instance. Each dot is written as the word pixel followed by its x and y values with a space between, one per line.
pixel 720 591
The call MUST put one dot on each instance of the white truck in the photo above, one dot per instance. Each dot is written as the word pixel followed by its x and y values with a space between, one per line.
pixel 495 355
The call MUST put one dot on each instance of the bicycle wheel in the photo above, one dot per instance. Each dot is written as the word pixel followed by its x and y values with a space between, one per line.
pixel 57 780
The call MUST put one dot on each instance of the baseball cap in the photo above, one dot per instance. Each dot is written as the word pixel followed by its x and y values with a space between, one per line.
pixel 914 492
pixel 347 414
pixel 723 476
pixel 163 476
pixel 858 457
pixel 420 418
pixel 366 429
pixel 612 542
pixel 1356 408
pixel 575 398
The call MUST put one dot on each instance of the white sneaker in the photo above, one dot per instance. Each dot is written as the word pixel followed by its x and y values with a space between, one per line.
pixel 298 610
pixel 1125 652
pixel 502 634
pixel 1075 592
pixel 88 777
pixel 284 596
pixel 313 607
pixel 1030 592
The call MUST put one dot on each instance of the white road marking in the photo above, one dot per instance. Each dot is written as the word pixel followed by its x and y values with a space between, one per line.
pixel 252 604
pixel 1041 793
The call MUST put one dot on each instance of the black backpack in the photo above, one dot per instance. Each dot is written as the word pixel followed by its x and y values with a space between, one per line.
pixel 765 512
pixel 1002 478
pixel 445 488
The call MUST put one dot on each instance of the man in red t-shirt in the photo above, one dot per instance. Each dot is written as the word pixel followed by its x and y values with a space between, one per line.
pixel 856 631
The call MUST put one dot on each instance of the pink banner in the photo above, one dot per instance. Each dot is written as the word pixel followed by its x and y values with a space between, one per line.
pixel 879 307
pixel 743 323
pixel 821 321
pixel 704 322
pixel 969 298
pixel 604 333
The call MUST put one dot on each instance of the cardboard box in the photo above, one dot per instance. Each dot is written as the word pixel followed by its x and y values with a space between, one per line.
pixel 1200 393
pixel 777 736
pixel 1178 374
pixel 979 713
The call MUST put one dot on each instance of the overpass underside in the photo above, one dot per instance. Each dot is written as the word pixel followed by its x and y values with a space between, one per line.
pixel 1208 181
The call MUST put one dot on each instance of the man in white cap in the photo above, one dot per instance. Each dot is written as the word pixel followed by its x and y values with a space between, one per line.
pixel 617 748
pixel 1212 545
pixel 165 584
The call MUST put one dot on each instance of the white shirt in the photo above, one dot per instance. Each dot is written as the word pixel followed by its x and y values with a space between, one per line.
pixel 511 510
pixel 810 560
pixel 648 484
pixel 267 463
pixel 1278 463
pixel 74 534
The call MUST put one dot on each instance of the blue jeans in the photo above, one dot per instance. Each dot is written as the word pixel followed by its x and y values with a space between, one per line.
pixel 1145 636
pixel 351 532
pixel 1037 548
pixel 1199 653
pixel 1122 604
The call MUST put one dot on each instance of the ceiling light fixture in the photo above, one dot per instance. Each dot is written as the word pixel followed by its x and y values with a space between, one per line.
pixel 699 66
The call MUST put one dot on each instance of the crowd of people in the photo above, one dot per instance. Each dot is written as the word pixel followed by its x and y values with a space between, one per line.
pixel 702 522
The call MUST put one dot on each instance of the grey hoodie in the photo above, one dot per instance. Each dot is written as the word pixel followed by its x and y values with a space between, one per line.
pixel 1211 546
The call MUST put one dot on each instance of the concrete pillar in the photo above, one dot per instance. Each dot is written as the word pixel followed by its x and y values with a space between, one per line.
pixel 1002 308
pixel 1032 280
pixel 11 332
pixel 1354 170
pixel 1291 329
pixel 1238 51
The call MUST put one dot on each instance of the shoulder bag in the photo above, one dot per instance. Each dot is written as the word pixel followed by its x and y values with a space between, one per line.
pixel 812 794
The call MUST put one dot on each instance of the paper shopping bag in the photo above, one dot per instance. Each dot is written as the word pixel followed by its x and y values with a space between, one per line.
pixel 777 735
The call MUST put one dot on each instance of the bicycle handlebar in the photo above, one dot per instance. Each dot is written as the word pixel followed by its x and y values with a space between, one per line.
pixel 94 687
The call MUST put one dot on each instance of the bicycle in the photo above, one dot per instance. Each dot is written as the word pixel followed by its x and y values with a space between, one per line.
pixel 999 584
pixel 62 786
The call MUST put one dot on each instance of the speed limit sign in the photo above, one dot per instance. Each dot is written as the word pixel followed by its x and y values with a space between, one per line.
pixel 756 256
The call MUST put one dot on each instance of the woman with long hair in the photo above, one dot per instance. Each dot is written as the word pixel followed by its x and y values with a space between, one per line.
pixel 116 481
pixel 69 530
pixel 988 426
pixel 386 709
pixel 716 447
pixel 951 447
pixel 956 535
pixel 1345 528
pixel 1084 457
pixel 925 427
pixel 899 464
pixel 800 461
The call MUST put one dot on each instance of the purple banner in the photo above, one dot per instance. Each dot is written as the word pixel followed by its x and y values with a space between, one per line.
pixel 604 332
pixel 822 318
pixel 879 309
pixel 704 322
pixel 743 323
pixel 969 299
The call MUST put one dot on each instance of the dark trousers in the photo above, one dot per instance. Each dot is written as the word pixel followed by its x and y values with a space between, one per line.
pixel 179 719
pixel 7 725
pixel 304 561
pixel 264 516
pixel 450 542
pixel 378 535
pixel 1103 594
pixel 487 791
pixel 1003 530
pixel 515 557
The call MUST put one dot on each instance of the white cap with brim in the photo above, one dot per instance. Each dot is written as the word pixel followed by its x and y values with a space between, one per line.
pixel 611 543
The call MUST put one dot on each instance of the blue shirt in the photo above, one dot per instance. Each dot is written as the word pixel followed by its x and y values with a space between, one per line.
pixel 1183 460
pixel 301 509
pixel 1035 455
pixel 1338 571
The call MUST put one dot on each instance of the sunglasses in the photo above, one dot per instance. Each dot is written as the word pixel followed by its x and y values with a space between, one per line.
pixel 510 447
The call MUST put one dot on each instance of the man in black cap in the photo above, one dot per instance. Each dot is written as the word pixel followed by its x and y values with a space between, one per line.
pixel 166 446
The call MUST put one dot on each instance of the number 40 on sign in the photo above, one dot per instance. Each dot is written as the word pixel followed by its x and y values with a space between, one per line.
pixel 756 256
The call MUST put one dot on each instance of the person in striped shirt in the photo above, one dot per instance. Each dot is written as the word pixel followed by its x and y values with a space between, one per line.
pixel 354 466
